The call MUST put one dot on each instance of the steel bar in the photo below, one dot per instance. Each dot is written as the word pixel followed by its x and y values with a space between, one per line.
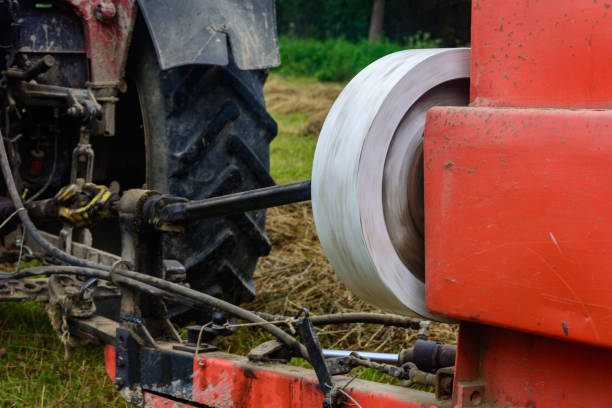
pixel 386 358
pixel 237 203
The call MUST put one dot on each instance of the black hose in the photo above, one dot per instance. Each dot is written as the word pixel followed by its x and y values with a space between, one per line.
pixel 27 222
pixel 50 178
pixel 354 317
pixel 141 282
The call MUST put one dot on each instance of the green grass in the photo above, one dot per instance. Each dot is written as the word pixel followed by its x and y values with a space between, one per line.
pixel 33 372
pixel 290 153
pixel 336 59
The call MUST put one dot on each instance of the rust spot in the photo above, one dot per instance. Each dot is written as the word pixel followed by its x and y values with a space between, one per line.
pixel 449 165
pixel 565 328
pixel 248 373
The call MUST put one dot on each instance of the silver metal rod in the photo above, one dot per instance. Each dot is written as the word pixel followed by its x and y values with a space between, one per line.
pixel 387 358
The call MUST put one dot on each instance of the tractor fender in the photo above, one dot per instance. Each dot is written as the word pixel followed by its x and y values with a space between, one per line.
pixel 193 32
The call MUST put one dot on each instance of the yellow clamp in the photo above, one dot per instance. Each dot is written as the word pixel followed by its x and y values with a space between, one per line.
pixel 67 194
pixel 84 215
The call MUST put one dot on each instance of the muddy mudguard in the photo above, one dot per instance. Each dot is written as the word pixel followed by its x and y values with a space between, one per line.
pixel 194 32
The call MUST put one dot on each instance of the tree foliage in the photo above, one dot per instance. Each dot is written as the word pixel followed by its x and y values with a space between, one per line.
pixel 336 59
pixel 448 20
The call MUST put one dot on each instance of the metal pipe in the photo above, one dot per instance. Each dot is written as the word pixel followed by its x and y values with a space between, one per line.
pixel 236 203
pixel 385 358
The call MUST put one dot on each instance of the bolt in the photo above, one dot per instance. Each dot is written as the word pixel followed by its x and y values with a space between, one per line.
pixel 118 383
pixel 105 12
pixel 121 361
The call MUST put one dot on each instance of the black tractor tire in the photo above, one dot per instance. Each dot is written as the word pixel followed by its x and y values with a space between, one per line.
pixel 207 133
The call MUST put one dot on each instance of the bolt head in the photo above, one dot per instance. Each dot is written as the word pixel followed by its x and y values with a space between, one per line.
pixel 118 383
pixel 105 12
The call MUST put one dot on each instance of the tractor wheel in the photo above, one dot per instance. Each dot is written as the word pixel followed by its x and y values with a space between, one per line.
pixel 207 133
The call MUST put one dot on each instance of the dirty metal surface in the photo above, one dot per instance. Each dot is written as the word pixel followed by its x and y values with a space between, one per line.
pixel 77 249
pixel 513 369
pixel 107 40
pixel 518 230
pixel 223 380
pixel 56 31
pixel 37 289
pixel 198 32
pixel 362 171
pixel 21 290
pixel 547 53
pixel 233 382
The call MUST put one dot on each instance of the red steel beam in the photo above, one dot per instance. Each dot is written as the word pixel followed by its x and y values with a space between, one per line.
pixel 222 380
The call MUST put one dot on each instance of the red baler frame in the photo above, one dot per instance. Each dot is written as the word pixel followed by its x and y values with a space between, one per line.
pixel 518 240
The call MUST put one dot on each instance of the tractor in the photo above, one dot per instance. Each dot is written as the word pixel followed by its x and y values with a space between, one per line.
pixel 466 185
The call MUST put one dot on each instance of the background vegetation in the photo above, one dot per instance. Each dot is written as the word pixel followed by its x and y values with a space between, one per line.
pixel 328 39
pixel 448 20
pixel 337 59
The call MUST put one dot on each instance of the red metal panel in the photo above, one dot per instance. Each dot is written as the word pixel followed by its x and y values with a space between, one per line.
pixel 107 40
pixel 522 370
pixel 110 361
pixel 233 382
pixel 542 53
pixel 519 224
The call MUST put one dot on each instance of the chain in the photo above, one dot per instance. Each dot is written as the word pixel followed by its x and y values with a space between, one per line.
pixel 65 329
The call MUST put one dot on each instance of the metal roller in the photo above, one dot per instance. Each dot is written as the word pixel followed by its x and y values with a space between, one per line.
pixel 367 178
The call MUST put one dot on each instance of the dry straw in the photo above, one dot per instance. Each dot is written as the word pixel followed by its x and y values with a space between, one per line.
pixel 297 274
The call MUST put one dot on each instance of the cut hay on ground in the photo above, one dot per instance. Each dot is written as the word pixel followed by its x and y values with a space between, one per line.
pixel 313 100
pixel 297 274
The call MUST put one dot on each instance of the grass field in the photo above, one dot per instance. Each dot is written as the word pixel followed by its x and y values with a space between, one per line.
pixel 33 372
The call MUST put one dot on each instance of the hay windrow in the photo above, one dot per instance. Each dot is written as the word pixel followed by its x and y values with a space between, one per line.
pixel 297 274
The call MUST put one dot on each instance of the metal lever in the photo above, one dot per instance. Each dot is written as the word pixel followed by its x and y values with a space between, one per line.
pixel 230 204
pixel 315 353
pixel 39 67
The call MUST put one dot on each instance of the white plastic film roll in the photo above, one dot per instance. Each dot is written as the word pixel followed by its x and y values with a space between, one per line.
pixel 365 177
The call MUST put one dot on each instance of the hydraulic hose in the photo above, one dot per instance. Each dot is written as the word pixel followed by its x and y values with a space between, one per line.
pixel 27 222
pixel 355 317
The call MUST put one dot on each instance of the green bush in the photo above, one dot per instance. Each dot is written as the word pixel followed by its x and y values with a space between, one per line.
pixel 445 19
pixel 338 59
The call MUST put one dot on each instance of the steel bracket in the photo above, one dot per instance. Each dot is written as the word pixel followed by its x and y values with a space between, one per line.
pixel 270 351
pixel 315 354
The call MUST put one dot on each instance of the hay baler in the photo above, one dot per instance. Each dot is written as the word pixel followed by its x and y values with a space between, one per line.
pixel 458 185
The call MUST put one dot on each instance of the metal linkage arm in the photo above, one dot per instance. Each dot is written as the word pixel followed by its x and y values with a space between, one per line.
pixel 183 212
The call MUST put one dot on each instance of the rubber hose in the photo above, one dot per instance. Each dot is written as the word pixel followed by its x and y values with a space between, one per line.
pixel 354 317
